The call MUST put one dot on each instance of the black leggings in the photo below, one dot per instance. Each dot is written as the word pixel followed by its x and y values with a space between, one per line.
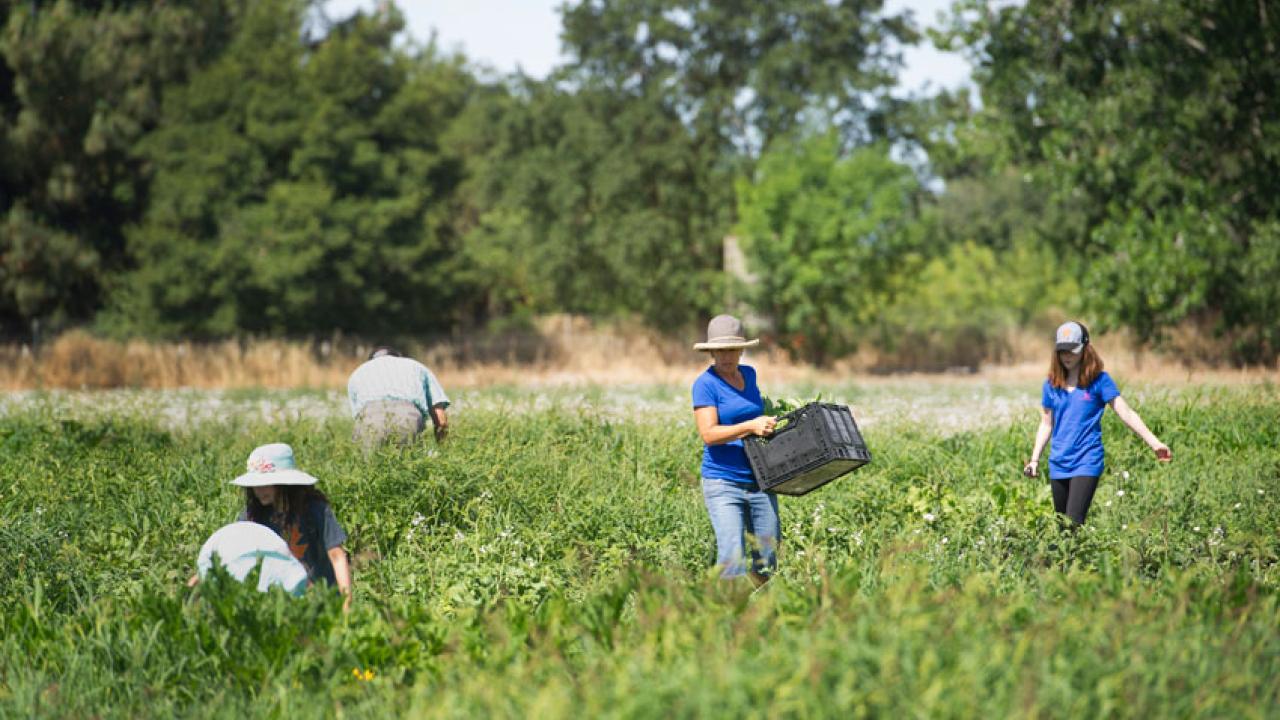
pixel 1072 497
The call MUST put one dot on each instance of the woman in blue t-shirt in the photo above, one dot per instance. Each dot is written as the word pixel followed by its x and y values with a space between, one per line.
pixel 1073 401
pixel 727 407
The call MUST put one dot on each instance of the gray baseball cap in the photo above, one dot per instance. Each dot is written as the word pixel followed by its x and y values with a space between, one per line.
pixel 1072 336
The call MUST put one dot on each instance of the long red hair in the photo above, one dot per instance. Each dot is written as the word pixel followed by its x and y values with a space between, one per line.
pixel 1090 368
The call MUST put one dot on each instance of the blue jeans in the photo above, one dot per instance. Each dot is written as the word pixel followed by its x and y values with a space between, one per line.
pixel 745 520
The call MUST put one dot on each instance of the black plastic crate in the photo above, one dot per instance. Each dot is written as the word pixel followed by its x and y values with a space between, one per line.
pixel 820 443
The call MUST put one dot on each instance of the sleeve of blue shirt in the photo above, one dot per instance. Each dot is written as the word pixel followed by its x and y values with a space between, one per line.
pixel 331 531
pixel 704 395
pixel 1106 388
pixel 435 392
pixel 1046 396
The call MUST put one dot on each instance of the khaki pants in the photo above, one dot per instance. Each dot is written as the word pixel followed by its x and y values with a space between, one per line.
pixel 383 421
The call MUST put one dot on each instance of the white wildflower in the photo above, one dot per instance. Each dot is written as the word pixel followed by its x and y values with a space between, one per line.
pixel 458 536
pixel 1125 474
pixel 1195 529
pixel 1124 527
pixel 1239 505
pixel 1119 493
pixel 930 517
pixel 1106 504
pixel 944 541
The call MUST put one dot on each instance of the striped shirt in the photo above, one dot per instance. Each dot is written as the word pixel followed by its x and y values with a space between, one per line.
pixel 395 378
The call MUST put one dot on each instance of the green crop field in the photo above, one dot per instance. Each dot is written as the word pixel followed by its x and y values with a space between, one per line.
pixel 552 560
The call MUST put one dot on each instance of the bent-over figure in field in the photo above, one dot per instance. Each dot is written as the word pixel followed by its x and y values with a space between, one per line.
pixel 391 398
pixel 242 546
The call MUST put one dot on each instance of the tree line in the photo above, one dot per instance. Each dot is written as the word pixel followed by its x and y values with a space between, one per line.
pixel 215 168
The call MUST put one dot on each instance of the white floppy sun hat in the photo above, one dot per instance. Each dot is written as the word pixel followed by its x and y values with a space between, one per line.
pixel 273 465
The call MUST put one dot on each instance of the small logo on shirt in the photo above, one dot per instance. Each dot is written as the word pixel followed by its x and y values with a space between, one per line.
pixel 1086 395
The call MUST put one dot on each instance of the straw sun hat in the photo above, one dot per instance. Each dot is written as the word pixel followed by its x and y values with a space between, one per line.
pixel 273 465
pixel 724 332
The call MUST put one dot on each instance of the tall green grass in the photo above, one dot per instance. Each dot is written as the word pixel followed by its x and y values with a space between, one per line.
pixel 554 562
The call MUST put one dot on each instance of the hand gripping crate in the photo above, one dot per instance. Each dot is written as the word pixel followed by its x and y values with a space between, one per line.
pixel 818 444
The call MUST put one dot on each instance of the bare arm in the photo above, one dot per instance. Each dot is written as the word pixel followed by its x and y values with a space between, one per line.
pixel 342 573
pixel 193 580
pixel 1130 417
pixel 1043 433
pixel 440 420
pixel 713 433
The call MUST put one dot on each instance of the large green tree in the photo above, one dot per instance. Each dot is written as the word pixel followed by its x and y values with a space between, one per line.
pixel 80 84
pixel 829 233
pixel 744 74
pixel 300 187
pixel 589 202
pixel 1161 122
pixel 679 98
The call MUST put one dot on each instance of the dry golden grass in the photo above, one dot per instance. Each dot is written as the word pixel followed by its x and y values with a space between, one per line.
pixel 561 350
pixel 78 360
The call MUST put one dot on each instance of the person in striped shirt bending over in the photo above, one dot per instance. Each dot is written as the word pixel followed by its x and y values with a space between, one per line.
pixel 391 398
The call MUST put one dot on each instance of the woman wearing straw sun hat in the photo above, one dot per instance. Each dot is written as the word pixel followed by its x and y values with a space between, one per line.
pixel 727 407
pixel 283 498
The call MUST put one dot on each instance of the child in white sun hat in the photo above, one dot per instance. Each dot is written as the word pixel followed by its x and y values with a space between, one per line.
pixel 281 497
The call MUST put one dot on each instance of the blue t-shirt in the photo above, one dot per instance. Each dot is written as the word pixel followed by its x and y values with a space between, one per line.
pixel 729 460
pixel 1077 427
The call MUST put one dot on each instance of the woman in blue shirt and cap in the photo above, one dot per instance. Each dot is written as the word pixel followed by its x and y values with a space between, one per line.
pixel 1073 400
pixel 727 407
